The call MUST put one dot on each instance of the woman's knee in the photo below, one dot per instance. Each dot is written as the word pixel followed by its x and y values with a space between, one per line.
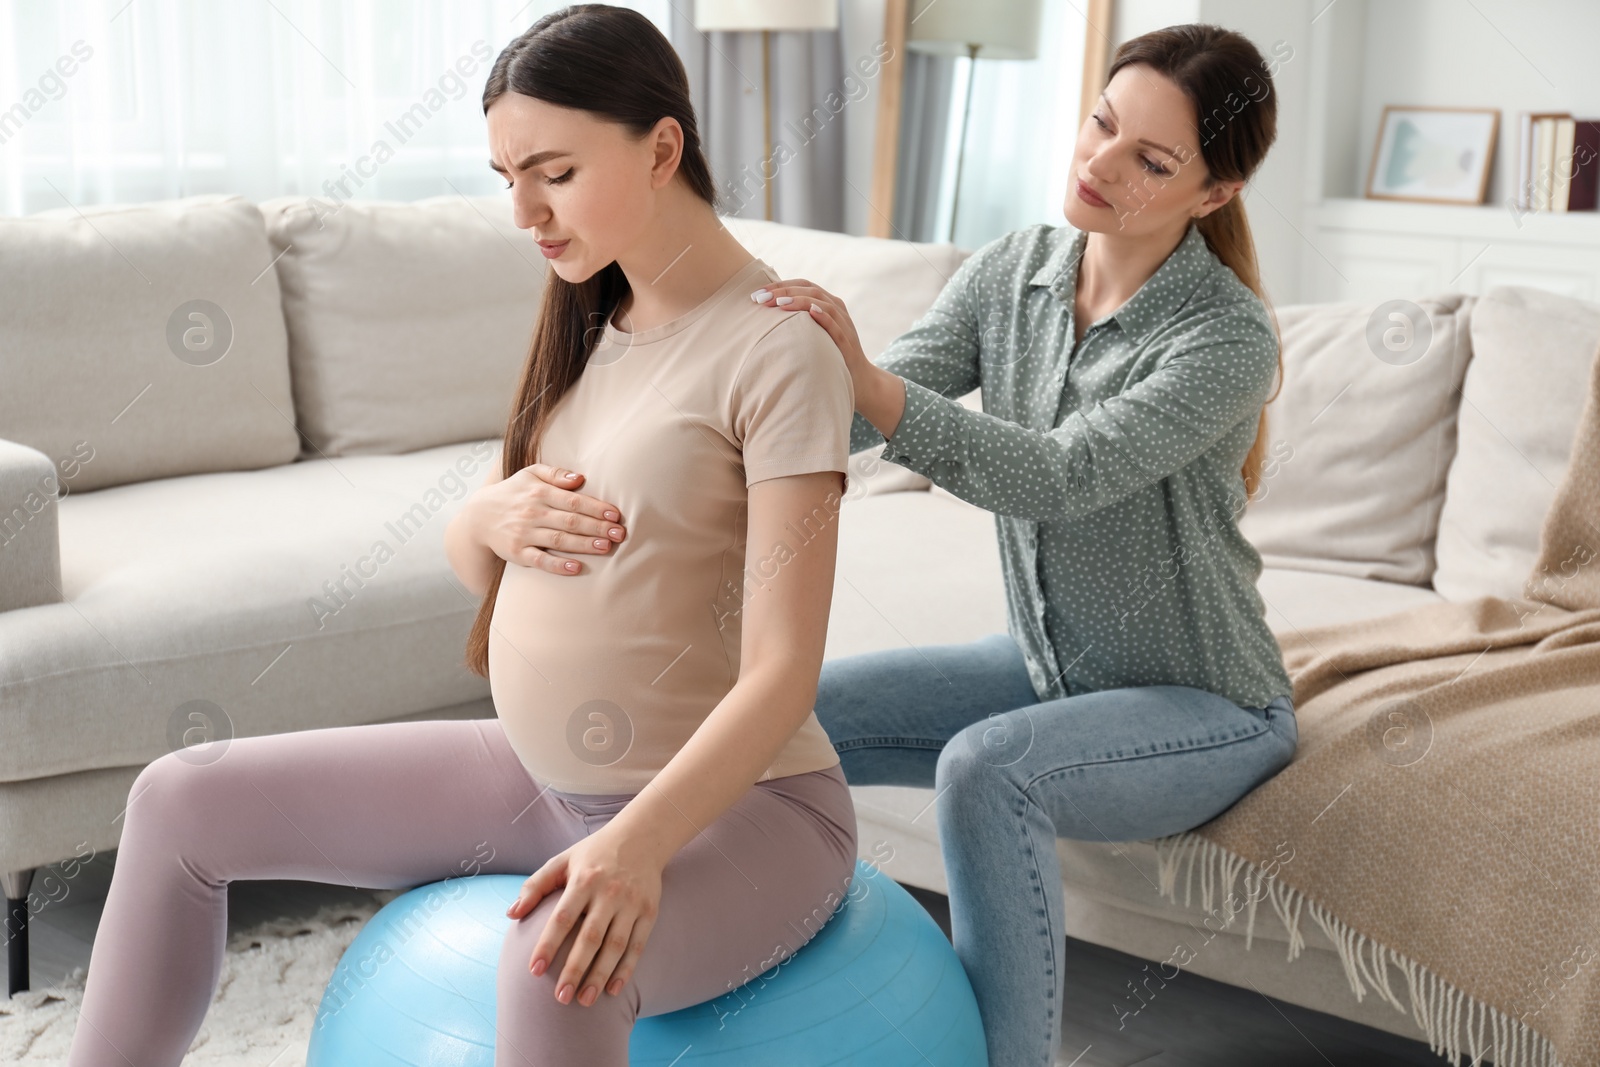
pixel 985 753
pixel 171 788
pixel 531 999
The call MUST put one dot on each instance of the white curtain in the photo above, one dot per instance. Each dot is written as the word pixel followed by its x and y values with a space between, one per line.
pixel 115 101
pixel 920 212
pixel 811 103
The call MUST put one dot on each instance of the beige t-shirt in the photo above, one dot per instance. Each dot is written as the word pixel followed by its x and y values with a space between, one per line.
pixel 601 677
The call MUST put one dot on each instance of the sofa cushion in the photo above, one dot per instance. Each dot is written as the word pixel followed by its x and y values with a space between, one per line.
pixel 388 303
pixel 1299 600
pixel 924 569
pixel 1359 446
pixel 141 341
pixel 304 595
pixel 1524 392
pixel 916 568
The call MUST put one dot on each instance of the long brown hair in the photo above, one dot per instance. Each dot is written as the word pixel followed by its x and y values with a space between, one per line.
pixel 613 62
pixel 1212 65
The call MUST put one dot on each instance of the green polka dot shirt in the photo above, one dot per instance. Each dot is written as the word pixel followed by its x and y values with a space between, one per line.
pixel 1112 465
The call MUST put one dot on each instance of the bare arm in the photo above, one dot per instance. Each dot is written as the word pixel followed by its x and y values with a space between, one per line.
pixel 516 519
pixel 470 557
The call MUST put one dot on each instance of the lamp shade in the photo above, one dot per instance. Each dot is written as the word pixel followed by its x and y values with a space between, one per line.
pixel 766 15
pixel 1002 29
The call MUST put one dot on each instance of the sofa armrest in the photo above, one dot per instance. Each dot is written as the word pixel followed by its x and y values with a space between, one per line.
pixel 30 546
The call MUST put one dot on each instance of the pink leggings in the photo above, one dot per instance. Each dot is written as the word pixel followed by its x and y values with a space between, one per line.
pixel 396 805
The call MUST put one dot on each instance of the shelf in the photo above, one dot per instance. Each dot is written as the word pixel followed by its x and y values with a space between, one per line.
pixel 1483 221
pixel 1366 54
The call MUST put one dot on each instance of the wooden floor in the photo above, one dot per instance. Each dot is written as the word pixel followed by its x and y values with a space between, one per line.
pixel 1196 1022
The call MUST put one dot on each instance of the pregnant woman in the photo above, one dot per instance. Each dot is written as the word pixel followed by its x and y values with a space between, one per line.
pixel 655 761
pixel 1125 360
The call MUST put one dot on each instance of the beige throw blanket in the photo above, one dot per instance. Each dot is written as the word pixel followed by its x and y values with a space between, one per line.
pixel 1441 818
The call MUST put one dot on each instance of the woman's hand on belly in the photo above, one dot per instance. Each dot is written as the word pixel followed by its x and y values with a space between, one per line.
pixel 537 508
pixel 617 894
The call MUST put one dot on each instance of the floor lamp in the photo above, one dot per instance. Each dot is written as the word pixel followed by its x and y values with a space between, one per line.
pixel 977 29
pixel 766 16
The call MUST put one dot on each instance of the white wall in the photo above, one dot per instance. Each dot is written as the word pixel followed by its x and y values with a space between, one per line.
pixel 1133 17
pixel 1275 199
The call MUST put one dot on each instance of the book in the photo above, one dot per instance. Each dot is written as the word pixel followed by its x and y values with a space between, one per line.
pixel 1543 186
pixel 1524 159
pixel 1537 159
pixel 1585 190
pixel 1561 176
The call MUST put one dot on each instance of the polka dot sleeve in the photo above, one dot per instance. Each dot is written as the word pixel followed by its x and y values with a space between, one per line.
pixel 1105 452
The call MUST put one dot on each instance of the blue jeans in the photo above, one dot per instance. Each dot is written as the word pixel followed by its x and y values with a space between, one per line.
pixel 1012 774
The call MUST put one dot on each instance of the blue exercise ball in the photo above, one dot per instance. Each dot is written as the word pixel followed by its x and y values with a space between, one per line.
pixel 879 984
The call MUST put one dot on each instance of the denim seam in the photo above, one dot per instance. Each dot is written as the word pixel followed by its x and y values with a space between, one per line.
pixel 1265 729
pixel 889 741
pixel 1055 938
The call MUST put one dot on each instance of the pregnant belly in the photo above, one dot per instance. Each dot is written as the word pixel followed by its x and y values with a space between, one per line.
pixel 604 675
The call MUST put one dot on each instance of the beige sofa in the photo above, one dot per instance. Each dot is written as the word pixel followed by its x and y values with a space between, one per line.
pixel 233 434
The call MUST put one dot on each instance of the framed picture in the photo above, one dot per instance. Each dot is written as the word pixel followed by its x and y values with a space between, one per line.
pixel 1436 154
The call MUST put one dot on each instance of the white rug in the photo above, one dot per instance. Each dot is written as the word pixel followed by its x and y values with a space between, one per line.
pixel 273 976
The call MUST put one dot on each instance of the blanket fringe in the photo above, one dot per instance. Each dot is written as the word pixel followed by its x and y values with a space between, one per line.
pixel 1446 1015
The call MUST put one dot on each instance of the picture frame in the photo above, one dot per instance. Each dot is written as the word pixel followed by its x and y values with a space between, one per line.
pixel 1436 155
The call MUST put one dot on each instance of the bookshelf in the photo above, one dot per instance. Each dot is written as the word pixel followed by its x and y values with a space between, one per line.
pixel 1432 52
